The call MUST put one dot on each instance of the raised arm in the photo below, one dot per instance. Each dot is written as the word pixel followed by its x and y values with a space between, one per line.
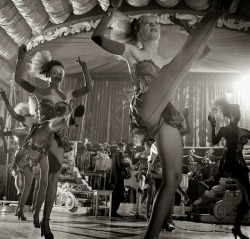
pixel 20 70
pixel 216 138
pixel 10 109
pixel 109 45
pixel 88 82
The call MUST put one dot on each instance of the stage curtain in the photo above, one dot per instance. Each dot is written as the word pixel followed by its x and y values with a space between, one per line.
pixel 106 116
pixel 107 106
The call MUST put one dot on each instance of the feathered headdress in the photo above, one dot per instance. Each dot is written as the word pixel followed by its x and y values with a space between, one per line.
pixel 121 27
pixel 221 106
pixel 19 108
pixel 33 105
pixel 38 64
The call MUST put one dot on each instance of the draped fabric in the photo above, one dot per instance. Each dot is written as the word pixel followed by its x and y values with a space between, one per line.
pixel 230 52
pixel 107 106
pixel 197 92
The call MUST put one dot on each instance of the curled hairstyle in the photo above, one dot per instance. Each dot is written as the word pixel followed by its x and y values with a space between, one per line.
pixel 125 29
pixel 41 64
pixel 47 67
pixel 222 106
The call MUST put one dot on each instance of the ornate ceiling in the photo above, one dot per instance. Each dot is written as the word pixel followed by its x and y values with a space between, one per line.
pixel 64 27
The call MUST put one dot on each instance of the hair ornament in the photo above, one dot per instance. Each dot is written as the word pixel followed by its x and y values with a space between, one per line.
pixel 221 107
pixel 39 63
pixel 32 105
pixel 121 27
pixel 19 108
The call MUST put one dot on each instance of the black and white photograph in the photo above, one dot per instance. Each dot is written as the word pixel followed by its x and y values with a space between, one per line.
pixel 125 119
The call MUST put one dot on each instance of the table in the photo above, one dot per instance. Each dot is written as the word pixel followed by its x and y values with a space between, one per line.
pixel 95 177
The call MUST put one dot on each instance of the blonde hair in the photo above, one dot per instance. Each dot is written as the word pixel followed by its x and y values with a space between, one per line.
pixel 125 28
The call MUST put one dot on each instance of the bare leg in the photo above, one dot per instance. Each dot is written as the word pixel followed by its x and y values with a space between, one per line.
pixel 58 123
pixel 161 89
pixel 43 134
pixel 55 155
pixel 19 178
pixel 170 212
pixel 142 180
pixel 43 183
pixel 27 186
pixel 170 152
pixel 150 189
pixel 35 193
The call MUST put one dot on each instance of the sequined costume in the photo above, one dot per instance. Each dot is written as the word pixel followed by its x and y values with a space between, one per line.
pixel 49 110
pixel 42 150
pixel 143 72
pixel 233 162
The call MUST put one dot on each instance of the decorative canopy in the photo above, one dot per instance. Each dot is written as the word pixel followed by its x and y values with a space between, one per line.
pixel 64 27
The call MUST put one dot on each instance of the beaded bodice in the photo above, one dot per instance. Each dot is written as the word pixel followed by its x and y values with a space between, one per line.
pixel 49 110
pixel 142 74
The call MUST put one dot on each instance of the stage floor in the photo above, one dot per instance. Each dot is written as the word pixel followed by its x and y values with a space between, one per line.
pixel 74 226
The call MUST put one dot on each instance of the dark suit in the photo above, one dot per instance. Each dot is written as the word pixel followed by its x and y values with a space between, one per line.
pixel 117 180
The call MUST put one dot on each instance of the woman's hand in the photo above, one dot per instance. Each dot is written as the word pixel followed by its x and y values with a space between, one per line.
pixel 115 4
pixel 81 63
pixel 186 113
pixel 212 120
pixel 22 51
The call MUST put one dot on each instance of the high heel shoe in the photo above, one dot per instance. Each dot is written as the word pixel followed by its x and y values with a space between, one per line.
pixel 237 232
pixel 20 216
pixel 47 235
pixel 36 221
pixel 169 227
